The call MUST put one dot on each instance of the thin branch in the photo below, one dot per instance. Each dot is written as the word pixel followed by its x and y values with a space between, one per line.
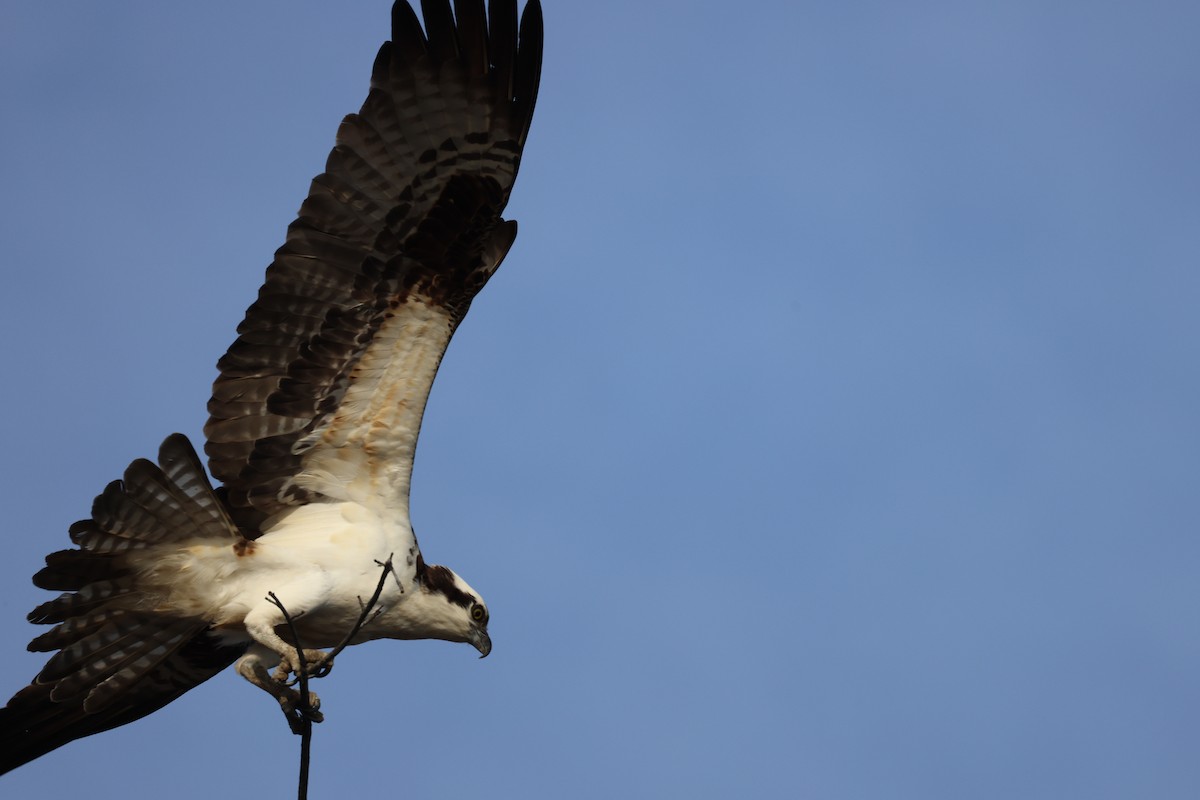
pixel 302 722
pixel 305 707
pixel 301 663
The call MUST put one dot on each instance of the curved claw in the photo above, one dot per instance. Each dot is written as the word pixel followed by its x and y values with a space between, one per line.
pixel 300 714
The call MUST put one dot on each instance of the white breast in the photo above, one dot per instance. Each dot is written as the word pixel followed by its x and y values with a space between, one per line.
pixel 321 560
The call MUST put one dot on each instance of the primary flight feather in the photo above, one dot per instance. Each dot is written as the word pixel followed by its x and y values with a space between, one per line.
pixel 314 415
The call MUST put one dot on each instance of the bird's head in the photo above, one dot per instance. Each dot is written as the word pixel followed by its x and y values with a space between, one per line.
pixel 451 609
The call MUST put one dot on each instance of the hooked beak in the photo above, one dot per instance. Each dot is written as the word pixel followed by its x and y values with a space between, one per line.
pixel 481 641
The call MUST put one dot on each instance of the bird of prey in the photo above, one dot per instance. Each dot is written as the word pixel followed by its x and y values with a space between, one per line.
pixel 314 414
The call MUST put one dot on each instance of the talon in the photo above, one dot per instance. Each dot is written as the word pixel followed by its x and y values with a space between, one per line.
pixel 299 715
pixel 310 711
pixel 316 662
pixel 296 723
pixel 297 712
pixel 284 668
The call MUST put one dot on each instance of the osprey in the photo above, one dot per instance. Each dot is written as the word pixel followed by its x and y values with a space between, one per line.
pixel 314 414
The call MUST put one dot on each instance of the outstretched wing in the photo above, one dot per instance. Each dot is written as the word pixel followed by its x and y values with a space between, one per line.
pixel 321 396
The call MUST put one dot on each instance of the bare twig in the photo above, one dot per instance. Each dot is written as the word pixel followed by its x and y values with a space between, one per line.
pixel 305 713
pixel 305 707
pixel 301 662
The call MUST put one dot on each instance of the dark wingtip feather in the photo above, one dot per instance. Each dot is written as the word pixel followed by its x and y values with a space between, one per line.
pixel 502 37
pixel 381 67
pixel 439 30
pixel 529 65
pixel 472 35
pixel 407 36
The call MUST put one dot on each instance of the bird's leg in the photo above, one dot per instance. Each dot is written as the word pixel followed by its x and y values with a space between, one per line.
pixel 298 706
pixel 262 622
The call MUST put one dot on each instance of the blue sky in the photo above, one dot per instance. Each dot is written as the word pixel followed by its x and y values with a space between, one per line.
pixel 831 430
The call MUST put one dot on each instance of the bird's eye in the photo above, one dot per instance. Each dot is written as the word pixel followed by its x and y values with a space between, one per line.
pixel 478 613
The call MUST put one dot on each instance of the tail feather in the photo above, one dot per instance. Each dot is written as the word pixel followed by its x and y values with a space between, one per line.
pixel 134 664
pixel 90 658
pixel 32 724
pixel 134 511
pixel 88 598
pixel 117 659
pixel 102 665
pixel 71 631
pixel 69 570
pixel 156 504
pixel 186 475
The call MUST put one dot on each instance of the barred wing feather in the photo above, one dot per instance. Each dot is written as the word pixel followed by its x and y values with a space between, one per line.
pixel 322 393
